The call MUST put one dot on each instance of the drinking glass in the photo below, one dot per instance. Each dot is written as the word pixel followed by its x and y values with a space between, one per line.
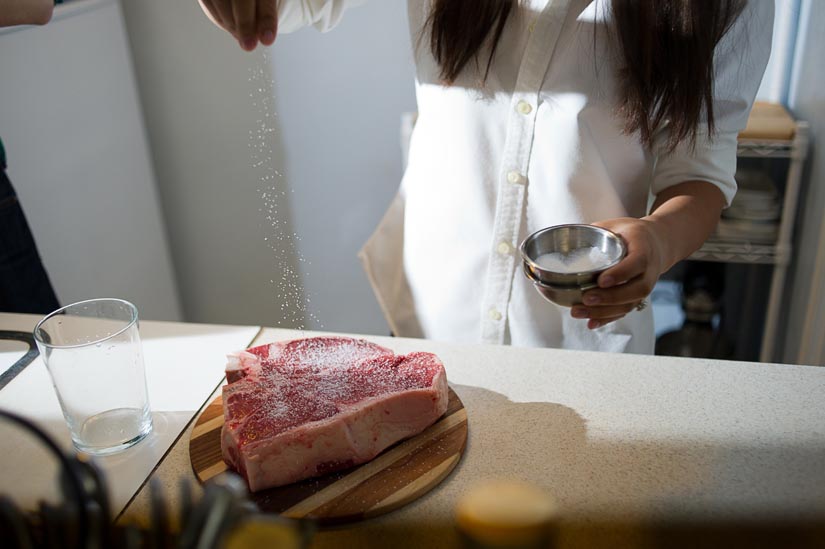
pixel 93 353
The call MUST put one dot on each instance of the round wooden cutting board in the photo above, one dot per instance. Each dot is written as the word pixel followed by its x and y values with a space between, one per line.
pixel 397 476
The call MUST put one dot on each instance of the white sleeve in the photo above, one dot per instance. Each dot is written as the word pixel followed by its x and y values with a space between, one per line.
pixel 740 60
pixel 322 14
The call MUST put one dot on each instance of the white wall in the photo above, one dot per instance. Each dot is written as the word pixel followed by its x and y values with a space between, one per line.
pixel 78 157
pixel 338 97
pixel 194 87
pixel 805 338
pixel 774 86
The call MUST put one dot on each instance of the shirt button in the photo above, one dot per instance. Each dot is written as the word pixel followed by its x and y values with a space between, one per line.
pixel 504 248
pixel 515 178
pixel 494 314
pixel 524 107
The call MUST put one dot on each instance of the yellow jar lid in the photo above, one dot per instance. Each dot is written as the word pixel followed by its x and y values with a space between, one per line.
pixel 505 513
pixel 261 532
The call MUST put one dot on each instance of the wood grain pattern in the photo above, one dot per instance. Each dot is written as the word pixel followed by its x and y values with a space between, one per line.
pixel 397 476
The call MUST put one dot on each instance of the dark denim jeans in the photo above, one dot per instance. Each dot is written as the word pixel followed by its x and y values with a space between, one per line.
pixel 24 284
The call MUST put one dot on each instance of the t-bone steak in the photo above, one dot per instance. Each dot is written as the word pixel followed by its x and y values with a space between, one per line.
pixel 306 407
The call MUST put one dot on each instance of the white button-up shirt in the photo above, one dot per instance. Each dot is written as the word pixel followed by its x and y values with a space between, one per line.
pixel 539 143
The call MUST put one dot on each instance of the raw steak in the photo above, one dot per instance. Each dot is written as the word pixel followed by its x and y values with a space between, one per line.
pixel 302 408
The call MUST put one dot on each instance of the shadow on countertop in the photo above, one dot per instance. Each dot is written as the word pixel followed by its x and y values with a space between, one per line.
pixel 615 493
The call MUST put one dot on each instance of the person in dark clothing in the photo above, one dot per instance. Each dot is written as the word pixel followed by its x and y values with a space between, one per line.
pixel 24 284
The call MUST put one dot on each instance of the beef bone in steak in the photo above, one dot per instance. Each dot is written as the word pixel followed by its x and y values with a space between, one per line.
pixel 302 408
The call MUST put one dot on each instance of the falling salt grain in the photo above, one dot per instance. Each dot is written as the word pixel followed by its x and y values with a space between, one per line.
pixel 289 289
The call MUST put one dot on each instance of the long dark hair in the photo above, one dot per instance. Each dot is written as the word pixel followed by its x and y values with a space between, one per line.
pixel 667 48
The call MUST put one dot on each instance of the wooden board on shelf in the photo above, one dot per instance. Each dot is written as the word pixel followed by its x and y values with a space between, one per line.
pixel 769 121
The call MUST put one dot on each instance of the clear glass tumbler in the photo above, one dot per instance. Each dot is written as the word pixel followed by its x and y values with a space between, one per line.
pixel 93 353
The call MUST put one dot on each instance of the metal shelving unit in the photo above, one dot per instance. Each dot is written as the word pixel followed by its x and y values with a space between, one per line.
pixel 779 254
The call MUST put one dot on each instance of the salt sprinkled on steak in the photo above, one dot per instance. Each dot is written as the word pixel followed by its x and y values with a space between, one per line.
pixel 306 407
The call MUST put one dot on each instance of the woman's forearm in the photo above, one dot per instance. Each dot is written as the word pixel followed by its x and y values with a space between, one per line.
pixel 25 12
pixel 681 219
pixel 685 215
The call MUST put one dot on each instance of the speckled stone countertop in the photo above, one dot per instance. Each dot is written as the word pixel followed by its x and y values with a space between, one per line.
pixel 609 436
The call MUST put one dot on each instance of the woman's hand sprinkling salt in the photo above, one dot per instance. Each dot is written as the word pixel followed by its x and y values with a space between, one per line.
pixel 249 21
pixel 681 219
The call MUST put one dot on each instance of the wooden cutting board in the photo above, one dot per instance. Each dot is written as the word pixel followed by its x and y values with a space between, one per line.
pixel 399 475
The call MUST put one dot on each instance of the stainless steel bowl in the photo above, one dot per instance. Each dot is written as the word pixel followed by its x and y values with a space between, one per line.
pixel 566 296
pixel 565 239
pixel 566 289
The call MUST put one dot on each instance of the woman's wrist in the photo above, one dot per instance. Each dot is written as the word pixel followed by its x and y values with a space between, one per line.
pixel 683 218
pixel 665 239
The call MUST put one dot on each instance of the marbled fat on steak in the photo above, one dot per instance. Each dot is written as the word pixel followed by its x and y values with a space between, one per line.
pixel 302 408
